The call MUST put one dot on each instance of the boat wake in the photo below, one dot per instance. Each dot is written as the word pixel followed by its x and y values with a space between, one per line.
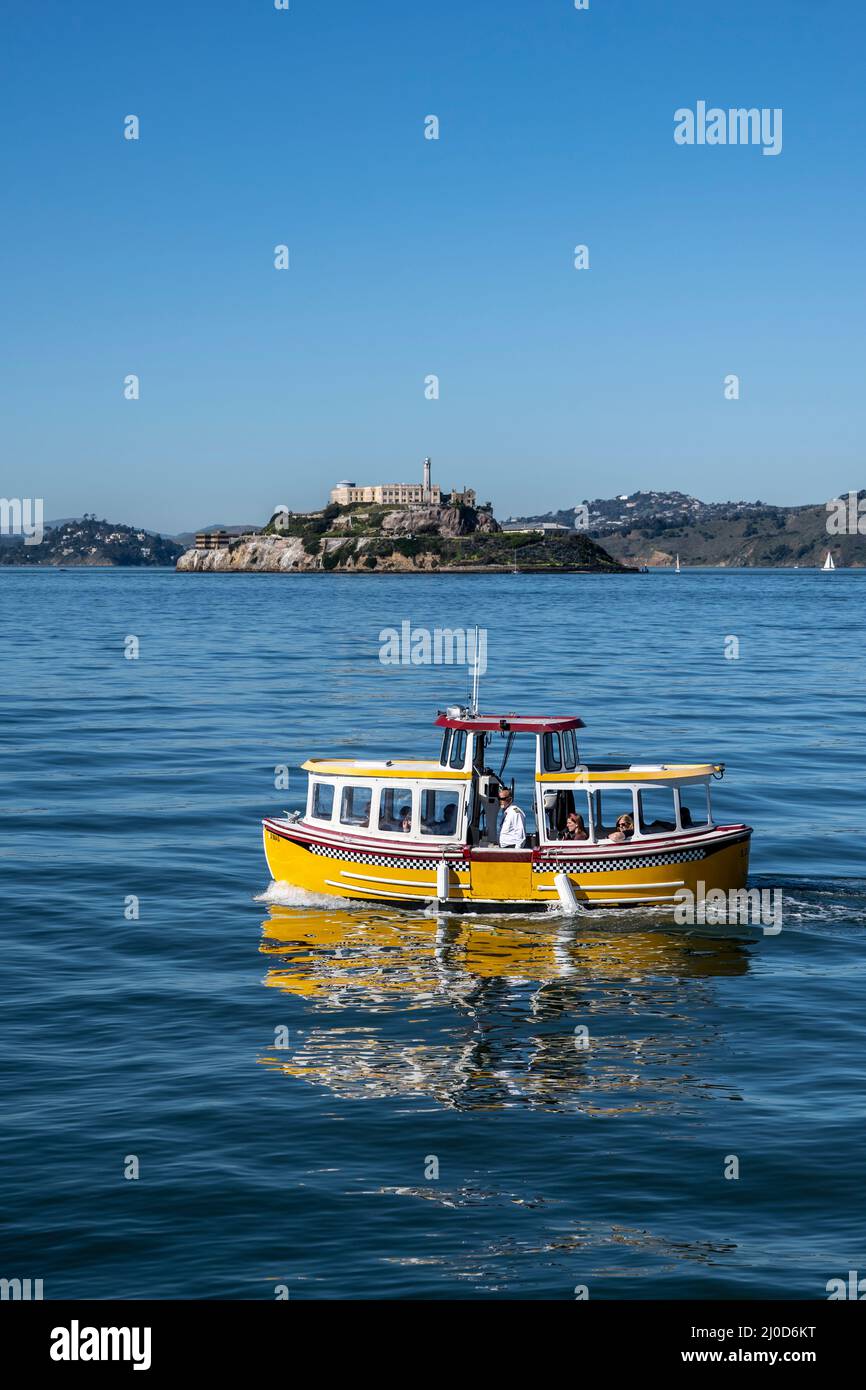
pixel 806 904
pixel 284 894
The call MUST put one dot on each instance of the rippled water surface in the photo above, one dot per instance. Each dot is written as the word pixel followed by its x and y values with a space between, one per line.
pixel 290 1073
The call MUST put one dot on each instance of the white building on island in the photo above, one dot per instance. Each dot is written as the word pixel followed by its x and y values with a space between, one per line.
pixel 423 494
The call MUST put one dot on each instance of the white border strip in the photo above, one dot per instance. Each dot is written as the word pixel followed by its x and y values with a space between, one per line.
pixel 408 882
pixel 606 887
pixel 380 892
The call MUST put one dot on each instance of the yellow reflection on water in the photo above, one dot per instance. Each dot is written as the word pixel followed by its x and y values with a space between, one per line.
pixel 608 1014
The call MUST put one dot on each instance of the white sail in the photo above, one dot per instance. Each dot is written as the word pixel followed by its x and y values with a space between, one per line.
pixel 828 563
pixel 678 564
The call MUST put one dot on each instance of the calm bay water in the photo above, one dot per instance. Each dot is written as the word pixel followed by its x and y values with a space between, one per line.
pixel 412 1037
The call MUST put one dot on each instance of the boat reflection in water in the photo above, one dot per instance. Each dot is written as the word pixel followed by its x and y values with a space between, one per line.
pixel 476 1013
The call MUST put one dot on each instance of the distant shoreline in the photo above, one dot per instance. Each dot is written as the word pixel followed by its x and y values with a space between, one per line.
pixel 402 573
pixel 399 574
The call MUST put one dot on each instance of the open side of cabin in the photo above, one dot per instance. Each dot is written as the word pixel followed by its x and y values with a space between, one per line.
pixel 454 801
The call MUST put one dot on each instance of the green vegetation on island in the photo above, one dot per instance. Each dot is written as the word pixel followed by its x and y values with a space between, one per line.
pixel 368 537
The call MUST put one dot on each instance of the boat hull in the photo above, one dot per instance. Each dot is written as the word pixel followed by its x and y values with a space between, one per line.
pixel 646 872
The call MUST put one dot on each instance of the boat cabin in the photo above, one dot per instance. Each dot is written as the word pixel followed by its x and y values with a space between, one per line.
pixel 453 800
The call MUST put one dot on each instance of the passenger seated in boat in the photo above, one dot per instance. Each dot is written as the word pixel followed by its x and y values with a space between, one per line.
pixel 405 818
pixel 512 827
pixel 448 823
pixel 686 818
pixel 575 828
pixel 624 829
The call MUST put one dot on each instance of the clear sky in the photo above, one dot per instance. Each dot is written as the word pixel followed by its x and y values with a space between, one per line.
pixel 411 257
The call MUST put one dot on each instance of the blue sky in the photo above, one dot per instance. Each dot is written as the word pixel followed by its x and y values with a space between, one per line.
pixel 411 256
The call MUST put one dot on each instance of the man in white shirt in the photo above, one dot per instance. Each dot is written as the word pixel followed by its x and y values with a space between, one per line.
pixel 512 822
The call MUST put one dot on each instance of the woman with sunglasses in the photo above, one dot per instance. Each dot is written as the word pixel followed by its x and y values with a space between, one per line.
pixel 624 829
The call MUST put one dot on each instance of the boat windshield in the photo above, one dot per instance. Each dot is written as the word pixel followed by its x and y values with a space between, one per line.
pixel 453 750
pixel 559 751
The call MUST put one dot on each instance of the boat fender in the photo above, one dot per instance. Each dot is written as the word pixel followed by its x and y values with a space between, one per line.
pixel 442 881
pixel 567 895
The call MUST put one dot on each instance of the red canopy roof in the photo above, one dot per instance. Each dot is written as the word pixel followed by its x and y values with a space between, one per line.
pixel 518 723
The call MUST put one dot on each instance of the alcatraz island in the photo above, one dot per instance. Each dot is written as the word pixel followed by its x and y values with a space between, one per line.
pixel 417 528
pixel 399 528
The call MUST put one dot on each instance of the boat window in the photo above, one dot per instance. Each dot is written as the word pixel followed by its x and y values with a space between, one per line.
pixel 569 749
pixel 552 753
pixel 693 805
pixel 439 811
pixel 355 808
pixel 559 803
pixel 323 800
pixel 657 812
pixel 458 748
pixel 609 807
pixel 395 810
pixel 446 742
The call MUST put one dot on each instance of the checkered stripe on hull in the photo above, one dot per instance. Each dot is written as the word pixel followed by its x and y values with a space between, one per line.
pixel 385 861
pixel 613 865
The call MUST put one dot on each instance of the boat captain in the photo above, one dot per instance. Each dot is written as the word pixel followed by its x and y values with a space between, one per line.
pixel 512 822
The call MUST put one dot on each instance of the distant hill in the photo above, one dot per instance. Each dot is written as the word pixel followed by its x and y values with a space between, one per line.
pixel 652 528
pixel 86 541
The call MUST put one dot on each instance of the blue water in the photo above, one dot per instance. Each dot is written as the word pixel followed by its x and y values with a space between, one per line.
pixel 412 1038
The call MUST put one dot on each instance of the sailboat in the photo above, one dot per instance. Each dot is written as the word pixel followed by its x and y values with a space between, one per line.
pixel 828 563
pixel 678 565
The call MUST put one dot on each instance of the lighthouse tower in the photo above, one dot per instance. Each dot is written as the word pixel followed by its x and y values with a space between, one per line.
pixel 425 495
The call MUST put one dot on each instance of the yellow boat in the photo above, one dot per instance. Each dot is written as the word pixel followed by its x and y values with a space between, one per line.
pixel 404 832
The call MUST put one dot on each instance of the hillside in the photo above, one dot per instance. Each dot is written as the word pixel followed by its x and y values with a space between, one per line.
pixel 86 541
pixel 366 538
pixel 652 528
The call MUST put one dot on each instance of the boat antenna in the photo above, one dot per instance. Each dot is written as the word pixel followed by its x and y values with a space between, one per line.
pixel 476 674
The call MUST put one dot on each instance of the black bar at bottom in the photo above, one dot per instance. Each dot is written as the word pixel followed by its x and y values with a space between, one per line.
pixel 161 1338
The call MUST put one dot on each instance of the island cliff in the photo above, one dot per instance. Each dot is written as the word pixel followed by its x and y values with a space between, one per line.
pixel 367 539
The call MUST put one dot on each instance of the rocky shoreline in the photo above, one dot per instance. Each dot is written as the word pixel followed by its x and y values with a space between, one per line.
pixel 272 554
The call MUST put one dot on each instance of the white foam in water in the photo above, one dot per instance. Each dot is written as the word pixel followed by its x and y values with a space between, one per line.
pixel 285 894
